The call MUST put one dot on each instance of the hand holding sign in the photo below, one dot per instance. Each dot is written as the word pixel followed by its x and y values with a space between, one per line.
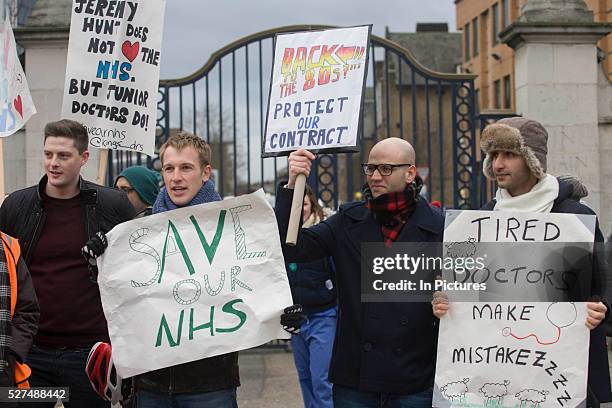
pixel 596 313
pixel 440 304
pixel 300 163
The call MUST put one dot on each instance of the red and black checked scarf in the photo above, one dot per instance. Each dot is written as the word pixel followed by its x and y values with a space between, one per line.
pixel 392 210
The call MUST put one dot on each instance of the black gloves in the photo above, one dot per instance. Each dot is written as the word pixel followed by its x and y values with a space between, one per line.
pixel 292 319
pixel 95 246
pixel 93 249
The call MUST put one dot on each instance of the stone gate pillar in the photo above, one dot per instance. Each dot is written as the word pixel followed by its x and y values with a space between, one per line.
pixel 556 83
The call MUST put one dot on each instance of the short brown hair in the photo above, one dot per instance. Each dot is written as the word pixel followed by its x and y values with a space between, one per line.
pixel 184 139
pixel 70 129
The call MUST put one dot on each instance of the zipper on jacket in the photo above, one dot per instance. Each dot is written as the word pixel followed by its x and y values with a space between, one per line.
pixel 171 387
pixel 35 235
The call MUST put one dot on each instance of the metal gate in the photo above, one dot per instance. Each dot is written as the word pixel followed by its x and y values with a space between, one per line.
pixel 225 102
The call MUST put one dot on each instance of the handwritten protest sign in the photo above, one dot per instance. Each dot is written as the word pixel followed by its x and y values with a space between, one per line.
pixel 17 105
pixel 193 283
pixel 504 226
pixel 516 353
pixel 112 72
pixel 512 355
pixel 527 257
pixel 316 91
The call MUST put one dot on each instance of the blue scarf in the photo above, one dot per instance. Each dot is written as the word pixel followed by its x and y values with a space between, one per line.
pixel 206 194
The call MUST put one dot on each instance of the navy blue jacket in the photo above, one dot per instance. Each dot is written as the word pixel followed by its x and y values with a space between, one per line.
pixel 379 347
pixel 599 372
pixel 313 285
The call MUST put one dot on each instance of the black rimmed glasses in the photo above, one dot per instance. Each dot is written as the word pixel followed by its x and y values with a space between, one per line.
pixel 384 169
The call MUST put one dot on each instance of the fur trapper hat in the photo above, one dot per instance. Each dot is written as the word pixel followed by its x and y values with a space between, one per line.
pixel 518 135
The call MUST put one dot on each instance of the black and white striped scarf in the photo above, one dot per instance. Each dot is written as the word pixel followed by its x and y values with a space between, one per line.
pixel 5 310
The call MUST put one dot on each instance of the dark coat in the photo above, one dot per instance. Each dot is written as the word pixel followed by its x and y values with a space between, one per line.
pixel 379 347
pixel 599 372
pixel 309 285
pixel 23 217
pixel 25 321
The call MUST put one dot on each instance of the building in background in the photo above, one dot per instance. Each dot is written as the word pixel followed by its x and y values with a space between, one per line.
pixel 480 22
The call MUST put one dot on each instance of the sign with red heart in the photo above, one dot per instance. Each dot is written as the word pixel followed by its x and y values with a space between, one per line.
pixel 130 50
pixel 112 72
pixel 15 99
pixel 18 106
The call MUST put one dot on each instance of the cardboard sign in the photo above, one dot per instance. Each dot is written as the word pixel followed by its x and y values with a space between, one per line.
pixel 193 283
pixel 112 72
pixel 515 353
pixel 512 355
pixel 17 105
pixel 316 91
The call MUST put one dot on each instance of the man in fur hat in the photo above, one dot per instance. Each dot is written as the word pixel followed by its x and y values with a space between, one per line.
pixel 516 151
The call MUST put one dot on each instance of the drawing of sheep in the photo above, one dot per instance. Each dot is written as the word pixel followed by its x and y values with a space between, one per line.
pixel 455 391
pixel 461 249
pixel 535 397
pixel 494 393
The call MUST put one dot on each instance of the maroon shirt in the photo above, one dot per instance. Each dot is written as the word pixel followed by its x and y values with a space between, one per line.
pixel 70 308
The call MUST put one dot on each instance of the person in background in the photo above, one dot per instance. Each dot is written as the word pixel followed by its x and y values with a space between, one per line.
pixel 141 186
pixel 313 286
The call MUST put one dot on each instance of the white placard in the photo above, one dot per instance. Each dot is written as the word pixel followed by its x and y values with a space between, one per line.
pixel 316 90
pixel 506 226
pixel 112 72
pixel 514 354
pixel 17 105
pixel 192 283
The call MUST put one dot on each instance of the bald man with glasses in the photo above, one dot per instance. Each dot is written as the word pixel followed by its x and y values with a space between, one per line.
pixel 384 353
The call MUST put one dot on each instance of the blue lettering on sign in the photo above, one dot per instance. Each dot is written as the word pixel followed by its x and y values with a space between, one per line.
pixel 309 108
pixel 114 71
pixel 314 137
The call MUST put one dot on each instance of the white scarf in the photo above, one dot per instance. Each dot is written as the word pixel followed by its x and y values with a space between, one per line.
pixel 312 220
pixel 539 199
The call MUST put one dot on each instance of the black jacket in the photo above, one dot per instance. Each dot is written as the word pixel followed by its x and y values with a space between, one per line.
pixel 24 323
pixel 599 372
pixel 313 285
pixel 23 217
pixel 379 347
pixel 206 375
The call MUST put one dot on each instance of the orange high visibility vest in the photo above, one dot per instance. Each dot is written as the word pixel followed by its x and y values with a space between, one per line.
pixel 22 371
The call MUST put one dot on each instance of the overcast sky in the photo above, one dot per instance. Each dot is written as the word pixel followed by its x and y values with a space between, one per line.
pixel 196 28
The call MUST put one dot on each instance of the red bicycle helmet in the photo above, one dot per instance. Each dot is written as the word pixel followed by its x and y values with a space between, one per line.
pixel 102 374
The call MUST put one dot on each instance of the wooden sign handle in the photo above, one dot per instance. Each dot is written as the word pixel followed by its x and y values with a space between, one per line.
pixel 1 170
pixel 101 180
pixel 296 210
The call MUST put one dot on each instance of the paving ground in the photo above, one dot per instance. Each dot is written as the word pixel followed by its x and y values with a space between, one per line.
pixel 269 380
